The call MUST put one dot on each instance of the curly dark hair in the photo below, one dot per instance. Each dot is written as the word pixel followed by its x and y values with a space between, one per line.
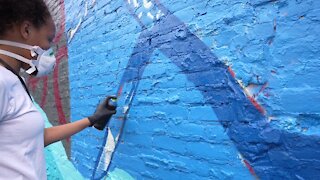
pixel 16 11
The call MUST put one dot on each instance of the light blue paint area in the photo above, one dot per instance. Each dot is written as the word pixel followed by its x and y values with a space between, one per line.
pixel 98 56
pixel 119 174
pixel 167 137
pixel 58 165
pixel 265 42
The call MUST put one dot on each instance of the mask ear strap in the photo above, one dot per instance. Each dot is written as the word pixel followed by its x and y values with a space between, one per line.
pixel 20 58
pixel 31 70
pixel 16 44
pixel 35 50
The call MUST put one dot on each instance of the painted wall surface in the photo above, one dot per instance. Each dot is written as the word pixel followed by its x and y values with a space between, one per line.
pixel 209 89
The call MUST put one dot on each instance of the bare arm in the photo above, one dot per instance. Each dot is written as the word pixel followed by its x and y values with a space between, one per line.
pixel 60 132
pixel 101 116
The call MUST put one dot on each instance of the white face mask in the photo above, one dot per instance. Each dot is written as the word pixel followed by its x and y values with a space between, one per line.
pixel 44 63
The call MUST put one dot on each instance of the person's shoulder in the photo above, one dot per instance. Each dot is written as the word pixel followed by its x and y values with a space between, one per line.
pixel 3 80
pixel 6 77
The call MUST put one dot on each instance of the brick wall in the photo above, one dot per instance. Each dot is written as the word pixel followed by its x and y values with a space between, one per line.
pixel 227 89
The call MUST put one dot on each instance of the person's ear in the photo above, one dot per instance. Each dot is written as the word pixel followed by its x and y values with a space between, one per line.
pixel 26 29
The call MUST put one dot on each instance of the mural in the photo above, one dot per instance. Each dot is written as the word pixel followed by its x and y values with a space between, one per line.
pixel 268 152
pixel 209 85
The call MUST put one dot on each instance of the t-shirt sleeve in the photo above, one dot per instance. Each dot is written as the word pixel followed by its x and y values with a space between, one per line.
pixel 4 100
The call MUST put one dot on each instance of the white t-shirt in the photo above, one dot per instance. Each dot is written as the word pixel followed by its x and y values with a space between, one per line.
pixel 21 132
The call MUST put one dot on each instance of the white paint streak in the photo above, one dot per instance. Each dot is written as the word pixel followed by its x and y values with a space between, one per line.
pixel 150 15
pixel 86 9
pixel 159 14
pixel 125 109
pixel 140 15
pixel 73 31
pixel 242 159
pixel 135 3
pixel 147 4
pixel 107 152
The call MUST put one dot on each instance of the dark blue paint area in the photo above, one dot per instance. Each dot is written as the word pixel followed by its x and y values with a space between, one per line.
pixel 273 153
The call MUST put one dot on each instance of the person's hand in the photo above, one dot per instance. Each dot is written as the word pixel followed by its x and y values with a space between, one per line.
pixel 103 112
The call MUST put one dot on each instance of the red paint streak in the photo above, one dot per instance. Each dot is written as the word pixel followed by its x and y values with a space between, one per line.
pixel 59 55
pixel 61 52
pixel 120 91
pixel 252 100
pixel 250 168
pixel 263 88
pixel 44 92
pixel 257 105
pixel 232 72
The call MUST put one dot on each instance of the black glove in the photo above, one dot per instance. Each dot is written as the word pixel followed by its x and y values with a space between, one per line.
pixel 103 113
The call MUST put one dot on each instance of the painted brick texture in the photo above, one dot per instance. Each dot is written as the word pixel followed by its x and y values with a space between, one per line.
pixel 227 89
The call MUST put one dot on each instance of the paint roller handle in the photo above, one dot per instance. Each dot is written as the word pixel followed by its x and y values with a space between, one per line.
pixel 103 113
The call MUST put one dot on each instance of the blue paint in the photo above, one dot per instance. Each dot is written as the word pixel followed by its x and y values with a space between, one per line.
pixel 144 122
pixel 273 151
pixel 238 116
